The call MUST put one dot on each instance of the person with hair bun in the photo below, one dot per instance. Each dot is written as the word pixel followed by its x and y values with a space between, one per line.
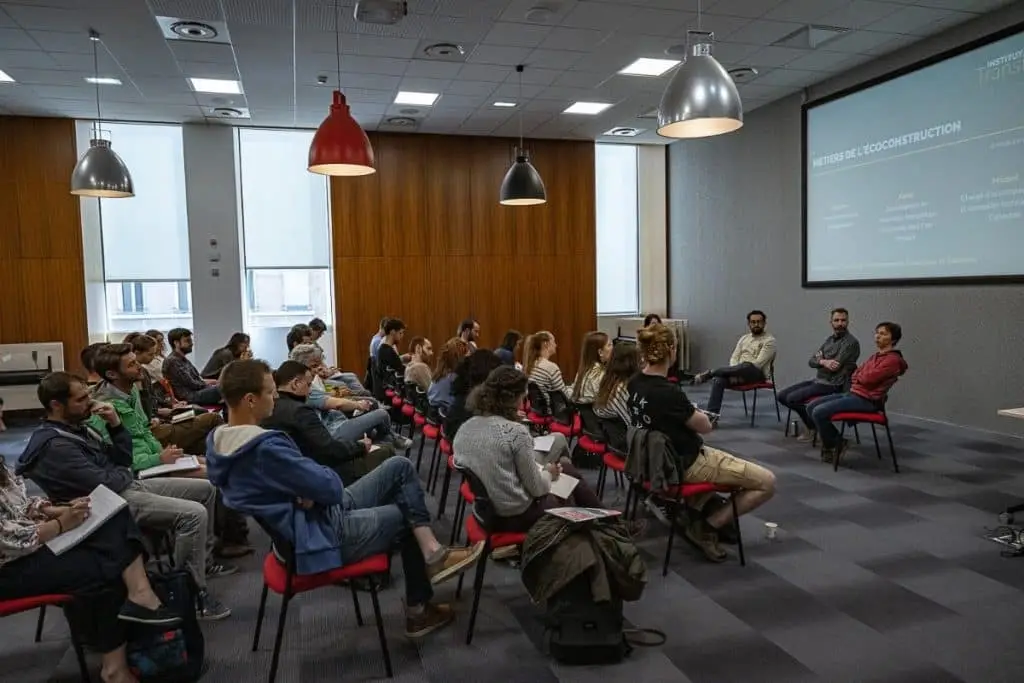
pixel 658 405
pixel 498 449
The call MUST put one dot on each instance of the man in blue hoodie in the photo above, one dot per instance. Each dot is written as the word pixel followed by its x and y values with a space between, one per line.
pixel 262 473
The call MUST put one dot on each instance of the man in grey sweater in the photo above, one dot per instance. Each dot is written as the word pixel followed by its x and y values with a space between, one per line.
pixel 835 360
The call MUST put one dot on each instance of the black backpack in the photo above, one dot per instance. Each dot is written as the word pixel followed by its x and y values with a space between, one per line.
pixel 175 655
pixel 581 631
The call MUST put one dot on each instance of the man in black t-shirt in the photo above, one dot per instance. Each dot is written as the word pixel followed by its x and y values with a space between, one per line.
pixel 388 358
pixel 658 405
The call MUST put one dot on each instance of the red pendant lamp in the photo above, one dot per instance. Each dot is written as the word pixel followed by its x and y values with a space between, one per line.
pixel 340 146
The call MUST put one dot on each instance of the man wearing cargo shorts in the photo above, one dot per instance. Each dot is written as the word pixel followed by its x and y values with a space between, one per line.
pixel 658 405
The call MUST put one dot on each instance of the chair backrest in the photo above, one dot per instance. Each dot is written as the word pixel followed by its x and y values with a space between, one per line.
pixel 483 510
pixel 538 399
pixel 282 547
pixel 560 407
pixel 589 421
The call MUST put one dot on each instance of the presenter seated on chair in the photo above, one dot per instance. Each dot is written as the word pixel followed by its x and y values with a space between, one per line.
pixel 749 363
pixel 658 405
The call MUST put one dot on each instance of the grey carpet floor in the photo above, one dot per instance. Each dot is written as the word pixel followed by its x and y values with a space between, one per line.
pixel 875 577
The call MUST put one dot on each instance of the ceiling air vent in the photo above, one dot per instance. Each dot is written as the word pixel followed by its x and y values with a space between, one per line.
pixel 380 11
pixel 446 52
pixel 400 121
pixel 624 132
pixel 743 74
pixel 811 37
pixel 175 28
pixel 229 113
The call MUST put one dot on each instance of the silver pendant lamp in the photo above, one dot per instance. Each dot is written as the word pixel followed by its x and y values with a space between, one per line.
pixel 100 172
pixel 701 100
pixel 522 185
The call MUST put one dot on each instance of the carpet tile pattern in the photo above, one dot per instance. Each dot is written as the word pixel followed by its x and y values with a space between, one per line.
pixel 875 577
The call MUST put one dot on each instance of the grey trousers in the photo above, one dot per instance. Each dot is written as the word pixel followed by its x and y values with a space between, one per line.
pixel 183 507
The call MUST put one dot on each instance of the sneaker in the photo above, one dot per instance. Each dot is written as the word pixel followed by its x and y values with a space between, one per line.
pixel 137 614
pixel 402 443
pixel 233 551
pixel 658 508
pixel 211 609
pixel 429 620
pixel 217 570
pixel 809 436
pixel 705 539
pixel 454 562
pixel 700 378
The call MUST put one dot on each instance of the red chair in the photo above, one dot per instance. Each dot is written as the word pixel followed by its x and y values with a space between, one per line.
pixel 41 602
pixel 464 498
pixel 279 576
pixel 609 461
pixel 755 387
pixel 873 418
pixel 436 463
pixel 478 528
pixel 432 431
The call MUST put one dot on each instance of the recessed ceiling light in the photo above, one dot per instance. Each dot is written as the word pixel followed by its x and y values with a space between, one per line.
pixel 505 104
pixel 649 67
pixel 4 78
pixel 103 80
pixel 590 108
pixel 216 85
pixel 420 99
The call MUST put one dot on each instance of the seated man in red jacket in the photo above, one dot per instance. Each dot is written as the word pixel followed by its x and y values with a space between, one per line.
pixel 870 387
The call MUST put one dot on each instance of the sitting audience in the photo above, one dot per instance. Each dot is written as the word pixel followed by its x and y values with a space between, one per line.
pixel 299 334
pixel 378 338
pixel 186 382
pixel 189 435
pixel 418 370
pixel 542 371
pixel 351 459
pixel 834 361
pixel 469 374
pixel 868 392
pixel 236 348
pixel 68 459
pixel 596 350
pixel 658 405
pixel 333 374
pixel 262 473
pixel 87 357
pixel 611 405
pixel 509 346
pixel 155 367
pixel 104 571
pixel 440 394
pixel 498 448
pixel 469 332
pixel 751 361
pixel 389 361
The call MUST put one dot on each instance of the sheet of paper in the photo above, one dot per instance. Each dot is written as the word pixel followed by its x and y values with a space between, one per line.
pixel 187 463
pixel 182 417
pixel 582 514
pixel 373 448
pixel 561 487
pixel 543 443
pixel 104 504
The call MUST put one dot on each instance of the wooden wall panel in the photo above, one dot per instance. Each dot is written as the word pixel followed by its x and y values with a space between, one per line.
pixel 42 284
pixel 425 239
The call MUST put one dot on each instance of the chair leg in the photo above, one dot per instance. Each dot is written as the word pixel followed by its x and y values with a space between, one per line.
pixel 478 586
pixel 456 519
pixel 602 476
pixel 419 455
pixel 355 604
pixel 259 619
pixel 442 500
pixel 673 510
pixel 744 395
pixel 380 628
pixel 892 450
pixel 778 412
pixel 739 535
pixel 279 637
pixel 39 624
pixel 835 456
pixel 753 409
pixel 83 667
pixel 789 414
pixel 856 433
pixel 874 433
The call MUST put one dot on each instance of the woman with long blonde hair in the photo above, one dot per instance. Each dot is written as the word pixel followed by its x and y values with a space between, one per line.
pixel 540 369
pixel 594 354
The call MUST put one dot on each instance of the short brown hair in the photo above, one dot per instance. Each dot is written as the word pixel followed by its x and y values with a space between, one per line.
pixel 143 343
pixel 242 377
pixel 108 359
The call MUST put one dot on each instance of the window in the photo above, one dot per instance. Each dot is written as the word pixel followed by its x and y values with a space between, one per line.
pixel 286 239
pixel 145 237
pixel 618 230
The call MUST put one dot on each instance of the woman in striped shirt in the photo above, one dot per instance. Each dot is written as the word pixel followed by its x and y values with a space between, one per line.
pixel 540 370
pixel 597 348
pixel 612 402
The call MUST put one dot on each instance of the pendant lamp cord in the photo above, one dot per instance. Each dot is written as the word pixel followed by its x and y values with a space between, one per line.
pixel 337 40
pixel 519 68
pixel 95 38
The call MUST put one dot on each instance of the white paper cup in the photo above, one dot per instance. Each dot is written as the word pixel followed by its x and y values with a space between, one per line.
pixel 771 529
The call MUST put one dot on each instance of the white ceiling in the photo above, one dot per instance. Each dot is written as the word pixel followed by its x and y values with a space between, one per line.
pixel 279 48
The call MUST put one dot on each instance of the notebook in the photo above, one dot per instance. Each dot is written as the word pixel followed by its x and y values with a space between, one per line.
pixel 582 514
pixel 543 443
pixel 188 463
pixel 183 417
pixel 561 487
pixel 104 504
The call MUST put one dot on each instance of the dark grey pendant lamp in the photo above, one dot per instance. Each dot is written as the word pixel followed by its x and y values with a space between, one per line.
pixel 522 185
pixel 100 172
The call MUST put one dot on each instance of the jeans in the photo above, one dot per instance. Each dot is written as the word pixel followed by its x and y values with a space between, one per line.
pixel 376 424
pixel 349 380
pixel 183 507
pixel 207 396
pixel 744 373
pixel 378 512
pixel 823 408
pixel 797 396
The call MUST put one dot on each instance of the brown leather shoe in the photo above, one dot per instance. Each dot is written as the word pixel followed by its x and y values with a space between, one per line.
pixel 455 561
pixel 704 537
pixel 429 620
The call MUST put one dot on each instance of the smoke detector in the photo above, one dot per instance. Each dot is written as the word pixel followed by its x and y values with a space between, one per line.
pixel 624 132
pixel 176 28
pixel 743 74
pixel 540 14
pixel 380 11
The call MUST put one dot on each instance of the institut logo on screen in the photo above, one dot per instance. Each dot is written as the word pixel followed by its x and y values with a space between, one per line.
pixel 1002 68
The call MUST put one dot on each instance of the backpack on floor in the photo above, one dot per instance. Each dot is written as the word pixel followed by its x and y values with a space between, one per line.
pixel 581 631
pixel 170 655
